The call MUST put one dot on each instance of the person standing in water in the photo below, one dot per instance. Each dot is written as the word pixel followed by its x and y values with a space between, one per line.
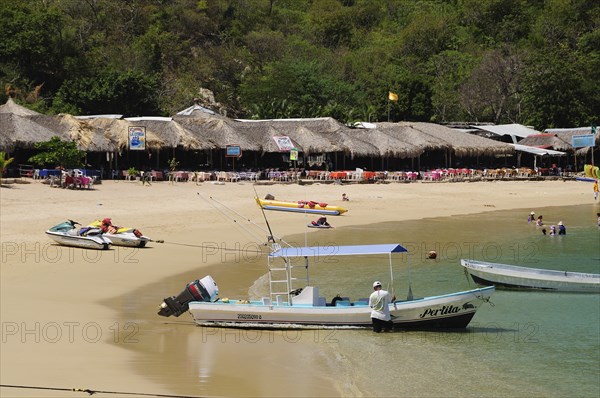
pixel 380 308
pixel 562 230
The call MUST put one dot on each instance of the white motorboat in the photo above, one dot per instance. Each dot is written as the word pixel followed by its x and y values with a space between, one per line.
pixel 515 277
pixel 298 308
pixel 68 234
pixel 123 236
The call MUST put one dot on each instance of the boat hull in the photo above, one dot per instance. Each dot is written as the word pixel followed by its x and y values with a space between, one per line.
pixel 522 278
pixel 305 208
pixel 127 239
pixel 91 242
pixel 449 311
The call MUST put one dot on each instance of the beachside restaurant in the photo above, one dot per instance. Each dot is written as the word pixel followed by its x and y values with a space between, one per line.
pixel 326 150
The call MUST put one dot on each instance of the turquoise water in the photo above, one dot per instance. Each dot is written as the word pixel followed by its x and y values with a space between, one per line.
pixel 521 344
pixel 526 343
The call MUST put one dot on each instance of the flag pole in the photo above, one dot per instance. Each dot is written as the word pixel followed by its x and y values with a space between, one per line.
pixel 388 106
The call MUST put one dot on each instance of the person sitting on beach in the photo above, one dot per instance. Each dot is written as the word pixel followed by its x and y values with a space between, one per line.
pixel 539 222
pixel 562 230
pixel 345 198
pixel 552 230
pixel 321 222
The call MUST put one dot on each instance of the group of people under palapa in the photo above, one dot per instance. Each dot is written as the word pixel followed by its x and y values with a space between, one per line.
pixel 562 230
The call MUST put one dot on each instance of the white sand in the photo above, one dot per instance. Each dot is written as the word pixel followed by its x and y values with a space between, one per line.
pixel 56 331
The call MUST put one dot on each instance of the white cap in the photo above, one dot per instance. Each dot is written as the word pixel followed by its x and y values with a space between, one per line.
pixel 376 283
pixel 532 213
pixel 560 223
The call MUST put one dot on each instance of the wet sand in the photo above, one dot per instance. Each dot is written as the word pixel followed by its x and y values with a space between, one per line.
pixel 74 318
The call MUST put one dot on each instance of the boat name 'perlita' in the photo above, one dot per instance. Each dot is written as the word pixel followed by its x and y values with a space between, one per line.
pixel 451 309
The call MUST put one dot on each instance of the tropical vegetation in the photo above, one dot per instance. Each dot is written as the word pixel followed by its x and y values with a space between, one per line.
pixel 4 162
pixel 58 153
pixel 535 62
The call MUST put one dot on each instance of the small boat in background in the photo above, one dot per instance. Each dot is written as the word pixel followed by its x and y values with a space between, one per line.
pixel 515 277
pixel 302 206
pixel 67 234
pixel 123 236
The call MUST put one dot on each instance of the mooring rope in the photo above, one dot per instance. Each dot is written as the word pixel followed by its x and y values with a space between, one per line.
pixel 92 392
pixel 215 247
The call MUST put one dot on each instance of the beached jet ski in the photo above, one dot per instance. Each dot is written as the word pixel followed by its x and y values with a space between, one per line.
pixel 68 234
pixel 121 236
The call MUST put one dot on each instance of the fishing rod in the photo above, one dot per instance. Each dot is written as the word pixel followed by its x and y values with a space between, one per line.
pixel 270 237
pixel 249 232
pixel 248 220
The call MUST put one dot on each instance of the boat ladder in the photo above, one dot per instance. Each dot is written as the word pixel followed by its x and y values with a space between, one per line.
pixel 281 281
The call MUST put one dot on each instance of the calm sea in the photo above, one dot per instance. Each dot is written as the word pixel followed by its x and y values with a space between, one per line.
pixel 521 343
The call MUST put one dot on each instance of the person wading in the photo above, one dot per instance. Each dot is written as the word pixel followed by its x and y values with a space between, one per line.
pixel 380 308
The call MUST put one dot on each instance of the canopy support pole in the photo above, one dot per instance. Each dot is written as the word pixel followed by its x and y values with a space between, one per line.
pixel 410 293
pixel 391 274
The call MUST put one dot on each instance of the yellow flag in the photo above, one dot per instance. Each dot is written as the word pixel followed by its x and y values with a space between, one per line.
pixel 392 96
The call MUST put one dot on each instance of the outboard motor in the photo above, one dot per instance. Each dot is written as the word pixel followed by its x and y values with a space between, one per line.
pixel 204 289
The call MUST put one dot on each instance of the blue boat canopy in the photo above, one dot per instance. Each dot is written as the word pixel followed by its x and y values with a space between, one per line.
pixel 323 251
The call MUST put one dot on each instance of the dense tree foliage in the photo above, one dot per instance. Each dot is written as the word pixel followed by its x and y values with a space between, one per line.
pixel 58 153
pixel 504 61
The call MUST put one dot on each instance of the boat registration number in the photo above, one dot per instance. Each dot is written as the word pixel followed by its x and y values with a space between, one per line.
pixel 249 316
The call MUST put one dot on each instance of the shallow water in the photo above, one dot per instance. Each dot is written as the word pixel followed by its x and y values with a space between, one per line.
pixel 533 343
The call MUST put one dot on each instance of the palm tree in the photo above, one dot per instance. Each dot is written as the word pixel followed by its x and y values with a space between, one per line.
pixel 4 162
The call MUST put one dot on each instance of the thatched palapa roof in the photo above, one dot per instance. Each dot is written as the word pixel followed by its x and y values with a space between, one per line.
pixel 21 131
pixel 305 139
pixel 313 135
pixel 11 107
pixel 461 143
pixel 67 127
pixel 546 141
pixel 171 134
pixel 218 133
pixel 405 133
pixel 116 131
pixel 566 134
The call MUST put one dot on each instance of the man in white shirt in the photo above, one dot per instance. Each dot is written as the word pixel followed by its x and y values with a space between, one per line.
pixel 380 304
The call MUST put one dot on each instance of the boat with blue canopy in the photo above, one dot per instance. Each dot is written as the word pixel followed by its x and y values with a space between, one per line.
pixel 292 306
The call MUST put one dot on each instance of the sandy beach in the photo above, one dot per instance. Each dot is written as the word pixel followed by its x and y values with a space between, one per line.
pixel 62 308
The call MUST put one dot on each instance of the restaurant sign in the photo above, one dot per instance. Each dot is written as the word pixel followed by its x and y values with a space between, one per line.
pixel 137 138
